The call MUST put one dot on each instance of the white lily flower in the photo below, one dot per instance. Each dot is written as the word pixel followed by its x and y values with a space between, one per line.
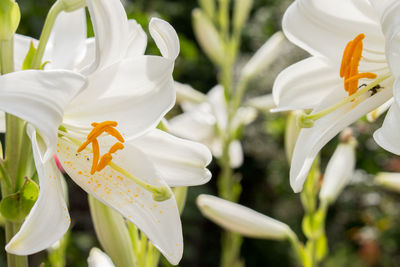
pixel 130 164
pixel 323 28
pixel 339 170
pixel 206 121
pixel 389 180
pixel 98 258
pixel 242 220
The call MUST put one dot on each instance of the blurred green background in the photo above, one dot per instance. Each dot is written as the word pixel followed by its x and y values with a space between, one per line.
pixel 362 226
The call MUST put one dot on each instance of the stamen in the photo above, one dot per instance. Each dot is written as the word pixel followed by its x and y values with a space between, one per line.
pixel 100 128
pixel 350 63
pixel 96 155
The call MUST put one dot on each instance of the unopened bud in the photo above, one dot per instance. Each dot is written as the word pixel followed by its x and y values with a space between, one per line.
pixel 264 56
pixel 242 220
pixel 208 37
pixel 338 172
pixel 241 13
pixel 389 180
pixel 185 92
pixel 98 258
pixel 9 19
pixel 208 7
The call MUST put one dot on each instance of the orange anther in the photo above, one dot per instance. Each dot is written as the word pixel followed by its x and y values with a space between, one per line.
pixel 107 126
pixel 96 155
pixel 115 147
pixel 105 159
pixel 350 63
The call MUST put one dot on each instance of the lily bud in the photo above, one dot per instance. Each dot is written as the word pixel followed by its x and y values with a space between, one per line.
pixel 242 220
pixel 112 233
pixel 241 13
pixel 264 56
pixel 98 258
pixel 389 180
pixel 340 168
pixel 185 92
pixel 208 7
pixel 376 113
pixel 9 19
pixel 72 5
pixel 208 37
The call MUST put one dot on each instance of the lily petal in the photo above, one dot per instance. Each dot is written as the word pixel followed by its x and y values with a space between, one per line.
pixel 242 220
pixel 186 166
pixel 48 220
pixel 137 41
pixel 388 136
pixel 111 29
pixel 304 84
pixel 323 26
pixel 236 154
pixel 98 258
pixel 39 97
pixel 66 45
pixel 165 37
pixel 160 221
pixel 141 87
pixel 216 98
pixel 311 140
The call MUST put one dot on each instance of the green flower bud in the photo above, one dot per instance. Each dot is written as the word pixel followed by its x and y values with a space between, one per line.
pixel 241 13
pixel 9 19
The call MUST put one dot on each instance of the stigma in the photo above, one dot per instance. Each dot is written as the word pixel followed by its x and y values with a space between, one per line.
pixel 108 127
pixel 350 63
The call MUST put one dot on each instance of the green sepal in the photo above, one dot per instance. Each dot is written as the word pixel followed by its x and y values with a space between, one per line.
pixel 29 57
pixel 10 16
pixel 16 207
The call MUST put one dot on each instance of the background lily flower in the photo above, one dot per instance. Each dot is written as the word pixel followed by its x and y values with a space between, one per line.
pixel 205 122
pixel 98 258
pixel 133 92
pixel 242 220
pixel 315 83
pixel 389 180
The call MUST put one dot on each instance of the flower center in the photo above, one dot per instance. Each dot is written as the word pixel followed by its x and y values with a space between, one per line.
pixel 350 62
pixel 108 127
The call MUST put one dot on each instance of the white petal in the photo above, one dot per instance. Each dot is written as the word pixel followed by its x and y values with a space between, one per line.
pixel 136 93
pixel 262 103
pixel 111 29
pixel 98 258
pixel 160 221
pixel 39 97
pixel 303 85
pixel 241 220
pixel 236 154
pixel 243 116
pixel 48 220
pixel 338 172
pixel 389 180
pixel 181 162
pixel 311 140
pixel 165 37
pixel 264 56
pixel 388 135
pixel 22 44
pixel 2 122
pixel 389 10
pixel 195 125
pixel 66 45
pixel 323 27
pixel 375 114
pixel 137 41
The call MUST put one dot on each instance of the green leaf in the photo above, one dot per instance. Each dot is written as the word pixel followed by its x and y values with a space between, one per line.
pixel 29 57
pixel 17 206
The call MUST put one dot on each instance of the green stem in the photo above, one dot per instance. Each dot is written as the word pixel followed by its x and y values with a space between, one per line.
pixel 13 138
pixel 44 37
